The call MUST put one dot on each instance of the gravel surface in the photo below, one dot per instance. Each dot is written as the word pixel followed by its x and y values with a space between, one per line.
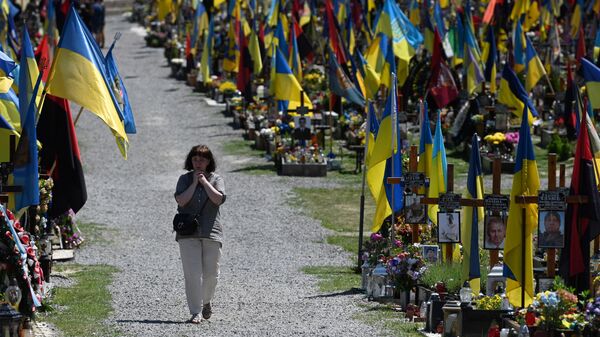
pixel 262 291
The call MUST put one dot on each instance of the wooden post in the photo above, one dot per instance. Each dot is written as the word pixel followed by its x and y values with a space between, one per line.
pixel 449 189
pixel 496 189
pixel 412 167
pixel 551 252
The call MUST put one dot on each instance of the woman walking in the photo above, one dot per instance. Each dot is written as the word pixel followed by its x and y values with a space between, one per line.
pixel 201 191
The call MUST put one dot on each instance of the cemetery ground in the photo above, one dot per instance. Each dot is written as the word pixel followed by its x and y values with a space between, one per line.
pixel 291 243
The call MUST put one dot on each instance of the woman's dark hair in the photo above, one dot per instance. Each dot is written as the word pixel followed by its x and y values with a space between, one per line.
pixel 552 214
pixel 200 151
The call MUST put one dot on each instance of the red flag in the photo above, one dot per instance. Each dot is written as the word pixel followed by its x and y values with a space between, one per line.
pixel 582 221
pixel 244 84
pixel 441 83
pixel 42 52
pixel 56 132
pixel 332 33
pixel 304 46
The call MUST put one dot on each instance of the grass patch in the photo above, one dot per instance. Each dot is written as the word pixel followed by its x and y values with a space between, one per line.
pixel 337 208
pixel 334 278
pixel 387 318
pixel 348 243
pixel 241 147
pixel 97 233
pixel 81 308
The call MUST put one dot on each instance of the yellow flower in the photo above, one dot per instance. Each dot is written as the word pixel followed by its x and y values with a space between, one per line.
pixel 227 86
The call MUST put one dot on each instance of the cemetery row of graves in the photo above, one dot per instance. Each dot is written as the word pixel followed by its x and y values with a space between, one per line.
pixel 47 55
pixel 399 83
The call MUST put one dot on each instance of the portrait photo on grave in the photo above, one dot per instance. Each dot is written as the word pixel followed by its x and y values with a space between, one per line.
pixel 430 253
pixel 551 229
pixel 494 227
pixel 449 227
pixel 302 128
pixel 416 213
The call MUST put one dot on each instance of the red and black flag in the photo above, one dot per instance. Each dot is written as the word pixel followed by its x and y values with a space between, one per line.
pixel 244 83
pixel 582 221
pixel 56 132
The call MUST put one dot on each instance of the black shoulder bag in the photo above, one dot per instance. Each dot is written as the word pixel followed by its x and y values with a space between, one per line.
pixel 186 224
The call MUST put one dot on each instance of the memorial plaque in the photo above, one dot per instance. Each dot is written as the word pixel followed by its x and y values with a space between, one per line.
pixel 496 203
pixel 449 201
pixel 553 200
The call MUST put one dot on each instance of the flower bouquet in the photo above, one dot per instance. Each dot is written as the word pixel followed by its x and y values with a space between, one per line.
pixel 67 229
pixel 556 309
pixel 406 268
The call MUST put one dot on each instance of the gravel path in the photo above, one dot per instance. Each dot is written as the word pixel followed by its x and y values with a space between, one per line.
pixel 262 291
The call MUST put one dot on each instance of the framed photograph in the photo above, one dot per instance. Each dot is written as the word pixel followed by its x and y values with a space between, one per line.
pixel 551 229
pixel 448 227
pixel 494 227
pixel 301 128
pixel 544 283
pixel 430 253
pixel 415 212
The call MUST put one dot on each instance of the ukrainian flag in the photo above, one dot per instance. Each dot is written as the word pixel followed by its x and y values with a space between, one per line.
pixel 438 170
pixel 286 86
pixel 370 76
pixel 387 148
pixel 406 38
pixel 26 156
pixel 535 68
pixel 28 74
pixel 474 74
pixel 9 109
pixel 490 55
pixel 375 172
pixel 206 58
pixel 119 91
pixel 591 73
pixel 389 67
pixel 7 65
pixel 526 182
pixel 425 145
pixel 513 94
pixel 78 74
pixel 295 61
pixel 519 44
pixel 473 216
pixel 200 24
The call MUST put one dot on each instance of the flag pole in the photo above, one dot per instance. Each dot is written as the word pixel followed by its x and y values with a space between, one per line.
pixel 523 252
pixel 361 222
pixel 394 135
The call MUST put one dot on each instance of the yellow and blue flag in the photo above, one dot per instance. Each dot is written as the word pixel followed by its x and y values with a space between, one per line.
pixel 526 182
pixel 295 60
pixel 513 94
pixel 286 86
pixel 534 66
pixel 120 93
pixel 389 197
pixel 206 58
pixel 9 109
pixel 369 75
pixel 200 25
pixel 340 84
pixel 78 74
pixel 438 170
pixel 591 73
pixel 389 64
pixel 7 65
pixel 473 216
pixel 490 57
pixel 519 46
pixel 28 74
pixel 26 156
pixel 406 38
pixel 375 172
